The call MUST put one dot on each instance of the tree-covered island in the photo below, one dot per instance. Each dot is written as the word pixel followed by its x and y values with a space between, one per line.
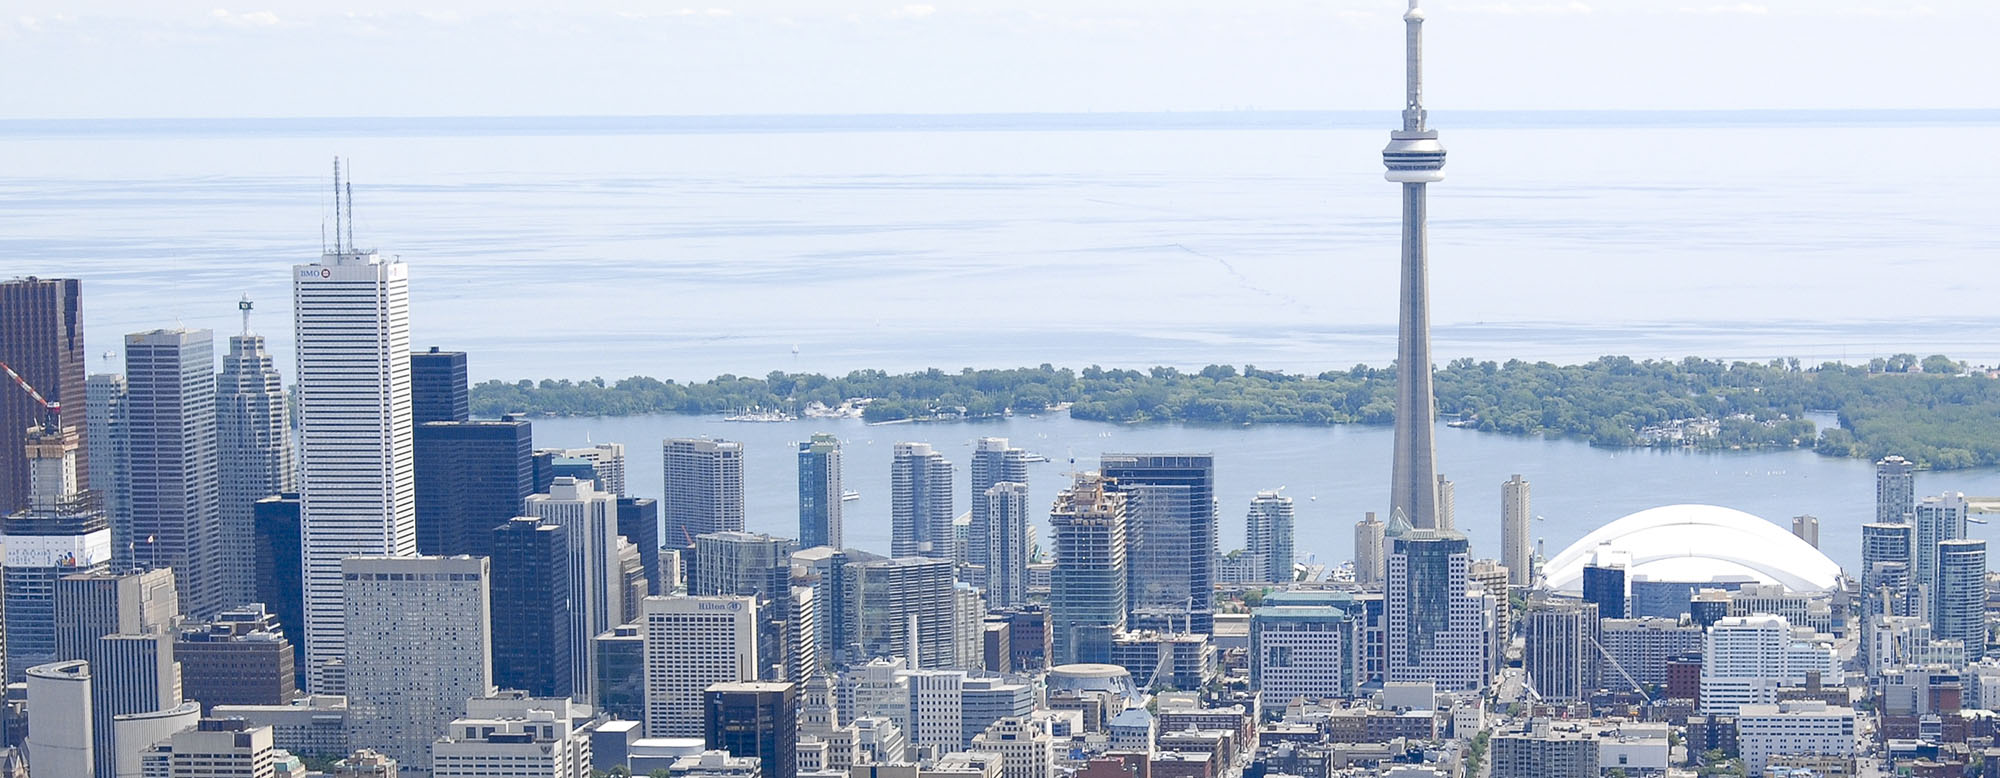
pixel 1929 410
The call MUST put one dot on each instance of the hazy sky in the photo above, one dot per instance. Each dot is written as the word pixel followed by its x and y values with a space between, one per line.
pixel 103 58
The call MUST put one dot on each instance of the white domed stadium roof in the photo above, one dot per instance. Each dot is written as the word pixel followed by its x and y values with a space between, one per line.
pixel 1697 544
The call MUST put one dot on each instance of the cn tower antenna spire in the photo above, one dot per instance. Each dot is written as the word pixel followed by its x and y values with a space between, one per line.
pixel 1414 158
pixel 1413 104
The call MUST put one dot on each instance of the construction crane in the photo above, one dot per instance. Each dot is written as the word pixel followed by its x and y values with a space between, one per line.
pixel 53 420
pixel 1613 661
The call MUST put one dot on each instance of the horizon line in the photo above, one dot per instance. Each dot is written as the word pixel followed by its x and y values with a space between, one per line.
pixel 1248 119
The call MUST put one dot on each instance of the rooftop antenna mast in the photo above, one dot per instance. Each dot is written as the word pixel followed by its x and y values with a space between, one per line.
pixel 244 306
pixel 350 211
pixel 336 205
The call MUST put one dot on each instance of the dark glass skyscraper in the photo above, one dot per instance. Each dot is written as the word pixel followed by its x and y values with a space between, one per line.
pixel 639 522
pixel 277 579
pixel 621 673
pixel 1606 587
pixel 755 719
pixel 438 389
pixel 471 477
pixel 531 608
pixel 41 337
pixel 1170 537
pixel 819 492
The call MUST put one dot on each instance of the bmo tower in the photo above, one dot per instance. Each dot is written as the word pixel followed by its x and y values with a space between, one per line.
pixel 357 478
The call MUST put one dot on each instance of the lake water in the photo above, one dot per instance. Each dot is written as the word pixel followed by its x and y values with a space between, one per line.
pixel 1333 474
pixel 685 248
pixel 691 247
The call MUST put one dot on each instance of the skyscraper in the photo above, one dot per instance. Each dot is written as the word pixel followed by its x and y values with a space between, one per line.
pixel 357 478
pixel 41 338
pixel 1514 517
pixel 889 598
pixel 132 675
pixel 59 726
pixel 1268 530
pixel 1560 649
pixel 621 670
pixel 472 476
pixel 752 565
pixel 254 449
pixel 1961 595
pixel 175 492
pixel 417 648
pixel 746 563
pixel 826 572
pixel 438 387
pixel 1895 490
pixel 819 491
pixel 1938 519
pixel 920 497
pixel 1415 159
pixel 755 719
pixel 240 657
pixel 1806 528
pixel 532 633
pixel 1006 543
pixel 278 580
pixel 595 583
pixel 693 643
pixel 1087 590
pixel 1744 660
pixel 62 531
pixel 1170 532
pixel 92 605
pixel 1606 584
pixel 602 463
pixel 109 438
pixel 1884 545
pixel 704 488
pixel 1437 626
pixel 993 461
pixel 639 522
pixel 1370 535
pixel 1447 503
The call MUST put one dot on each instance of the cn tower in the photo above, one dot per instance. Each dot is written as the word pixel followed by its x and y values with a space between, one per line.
pixel 1414 158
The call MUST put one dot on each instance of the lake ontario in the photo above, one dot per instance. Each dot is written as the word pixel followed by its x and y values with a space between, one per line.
pixel 694 246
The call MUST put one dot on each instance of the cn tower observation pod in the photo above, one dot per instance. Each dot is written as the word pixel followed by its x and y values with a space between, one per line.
pixel 1697 544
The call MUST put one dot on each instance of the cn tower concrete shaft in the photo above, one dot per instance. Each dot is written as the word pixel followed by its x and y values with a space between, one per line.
pixel 1414 158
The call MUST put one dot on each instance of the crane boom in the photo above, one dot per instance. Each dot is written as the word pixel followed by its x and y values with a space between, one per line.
pixel 54 408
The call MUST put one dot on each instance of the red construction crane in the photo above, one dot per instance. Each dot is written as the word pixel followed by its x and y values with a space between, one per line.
pixel 49 424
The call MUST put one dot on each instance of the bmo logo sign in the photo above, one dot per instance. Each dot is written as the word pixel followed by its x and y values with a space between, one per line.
pixel 309 273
